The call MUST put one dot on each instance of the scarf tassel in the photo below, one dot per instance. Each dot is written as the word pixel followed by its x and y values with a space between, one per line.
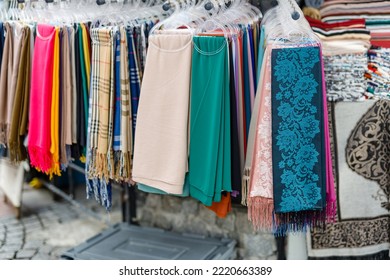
pixel 260 212
pixel 41 159
pixel 298 221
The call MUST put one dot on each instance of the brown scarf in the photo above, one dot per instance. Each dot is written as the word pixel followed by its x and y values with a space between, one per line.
pixel 19 118
pixel 5 82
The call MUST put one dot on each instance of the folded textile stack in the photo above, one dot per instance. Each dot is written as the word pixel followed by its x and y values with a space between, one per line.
pixel 376 14
pixel 345 45
pixel 378 73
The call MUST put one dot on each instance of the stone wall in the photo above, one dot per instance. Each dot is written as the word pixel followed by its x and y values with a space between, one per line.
pixel 189 216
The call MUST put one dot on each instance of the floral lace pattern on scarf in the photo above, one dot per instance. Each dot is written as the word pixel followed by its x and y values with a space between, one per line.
pixel 297 129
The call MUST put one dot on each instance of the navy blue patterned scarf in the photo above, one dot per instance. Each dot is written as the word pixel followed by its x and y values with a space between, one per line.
pixel 299 172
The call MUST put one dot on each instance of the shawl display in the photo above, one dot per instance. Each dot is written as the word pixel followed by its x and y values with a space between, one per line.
pixel 5 82
pixel 20 110
pixel 210 150
pixel 299 154
pixel 360 149
pixel 39 139
pixel 162 126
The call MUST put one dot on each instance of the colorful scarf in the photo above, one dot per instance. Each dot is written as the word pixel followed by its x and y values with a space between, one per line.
pixel 298 156
pixel 102 95
pixel 117 115
pixel 258 166
pixel 5 82
pixel 18 33
pixel 55 107
pixel 135 77
pixel 18 124
pixel 126 137
pixel 99 188
pixel 39 139
pixel 210 151
pixel 168 141
pixel 66 98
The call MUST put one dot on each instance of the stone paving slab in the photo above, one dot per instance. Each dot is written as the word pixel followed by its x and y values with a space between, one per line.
pixel 46 234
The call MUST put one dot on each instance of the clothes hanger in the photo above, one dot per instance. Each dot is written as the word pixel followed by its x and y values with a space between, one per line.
pixel 286 29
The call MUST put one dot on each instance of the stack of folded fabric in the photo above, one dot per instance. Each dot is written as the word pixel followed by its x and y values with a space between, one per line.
pixel 345 45
pixel 378 73
pixel 376 13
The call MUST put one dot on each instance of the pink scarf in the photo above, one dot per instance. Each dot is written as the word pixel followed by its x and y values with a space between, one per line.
pixel 39 138
pixel 331 205
pixel 260 194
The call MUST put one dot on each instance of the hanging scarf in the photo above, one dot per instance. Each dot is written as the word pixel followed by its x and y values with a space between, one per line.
pixel 126 137
pixel 1 43
pixel 331 199
pixel 19 33
pixel 210 147
pixel 55 107
pixel 117 114
pixel 135 77
pixel 258 167
pixel 72 48
pixel 87 54
pixel 265 71
pixel 84 91
pixel 298 154
pixel 18 127
pixel 99 188
pixel 66 98
pixel 102 95
pixel 168 141
pixel 5 82
pixel 39 139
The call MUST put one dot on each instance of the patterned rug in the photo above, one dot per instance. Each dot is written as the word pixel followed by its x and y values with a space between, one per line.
pixel 360 135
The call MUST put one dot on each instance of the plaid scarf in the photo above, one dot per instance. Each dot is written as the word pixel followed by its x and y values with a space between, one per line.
pixel 101 102
pixel 99 188
pixel 126 122
pixel 117 115
pixel 135 76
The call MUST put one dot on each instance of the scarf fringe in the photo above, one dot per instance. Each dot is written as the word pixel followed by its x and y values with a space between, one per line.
pixel 101 165
pixel 245 186
pixel 298 221
pixel 110 164
pixel 40 158
pixel 122 162
pixel 260 212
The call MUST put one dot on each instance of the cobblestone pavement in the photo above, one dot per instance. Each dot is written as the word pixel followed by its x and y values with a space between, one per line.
pixel 45 233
